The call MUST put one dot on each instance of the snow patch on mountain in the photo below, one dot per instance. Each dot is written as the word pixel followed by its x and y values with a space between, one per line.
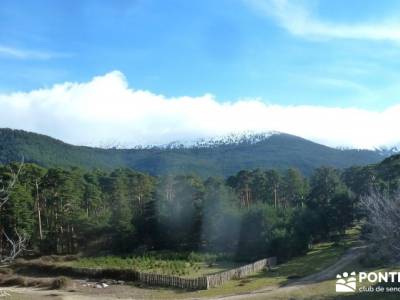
pixel 388 151
pixel 247 137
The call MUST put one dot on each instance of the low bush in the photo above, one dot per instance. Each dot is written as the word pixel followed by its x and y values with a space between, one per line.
pixel 6 271
pixel 162 262
pixel 373 258
pixel 38 283
pixel 61 283
pixel 15 281
pixel 19 261
pixel 144 264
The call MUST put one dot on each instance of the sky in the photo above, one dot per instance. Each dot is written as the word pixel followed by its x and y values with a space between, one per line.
pixel 150 71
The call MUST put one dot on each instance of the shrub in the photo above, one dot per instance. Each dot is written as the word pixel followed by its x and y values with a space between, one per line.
pixel 6 271
pixel 19 261
pixel 61 283
pixel 37 283
pixel 17 281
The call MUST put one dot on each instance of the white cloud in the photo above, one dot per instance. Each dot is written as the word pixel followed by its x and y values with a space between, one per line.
pixel 16 53
pixel 299 20
pixel 106 110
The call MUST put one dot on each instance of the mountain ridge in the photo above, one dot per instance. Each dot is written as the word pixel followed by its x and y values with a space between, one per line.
pixel 218 157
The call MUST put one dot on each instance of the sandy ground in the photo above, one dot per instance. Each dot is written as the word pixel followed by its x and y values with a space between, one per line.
pixel 123 292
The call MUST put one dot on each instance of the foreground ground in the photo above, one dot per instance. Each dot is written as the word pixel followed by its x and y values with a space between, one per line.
pixel 311 276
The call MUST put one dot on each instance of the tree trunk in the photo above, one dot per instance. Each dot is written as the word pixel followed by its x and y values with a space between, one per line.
pixel 38 211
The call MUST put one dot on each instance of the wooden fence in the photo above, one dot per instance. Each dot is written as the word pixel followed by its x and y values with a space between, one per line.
pixel 243 271
pixel 199 283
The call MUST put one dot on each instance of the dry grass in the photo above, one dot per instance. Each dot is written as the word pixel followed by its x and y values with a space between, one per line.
pixel 58 258
pixel 23 281
pixel 15 281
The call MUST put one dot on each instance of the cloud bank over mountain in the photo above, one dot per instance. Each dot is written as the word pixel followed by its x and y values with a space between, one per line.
pixel 106 110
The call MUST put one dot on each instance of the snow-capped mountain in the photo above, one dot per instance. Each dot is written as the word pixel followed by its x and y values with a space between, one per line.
pixel 247 137
pixel 218 156
pixel 388 151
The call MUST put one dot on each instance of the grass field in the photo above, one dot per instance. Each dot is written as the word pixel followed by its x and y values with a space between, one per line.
pixel 167 263
pixel 319 257
pixel 316 259
pixel 192 264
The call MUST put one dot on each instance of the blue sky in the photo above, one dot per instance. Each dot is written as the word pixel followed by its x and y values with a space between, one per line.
pixel 338 54
pixel 232 49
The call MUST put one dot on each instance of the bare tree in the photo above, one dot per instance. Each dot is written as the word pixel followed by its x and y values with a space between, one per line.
pixel 6 186
pixel 16 244
pixel 383 215
pixel 16 247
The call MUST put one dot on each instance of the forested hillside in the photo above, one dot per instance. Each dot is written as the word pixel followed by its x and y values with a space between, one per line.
pixel 249 214
pixel 279 151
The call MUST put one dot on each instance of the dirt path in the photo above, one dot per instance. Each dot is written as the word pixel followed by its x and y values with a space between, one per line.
pixel 329 273
pixel 38 294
